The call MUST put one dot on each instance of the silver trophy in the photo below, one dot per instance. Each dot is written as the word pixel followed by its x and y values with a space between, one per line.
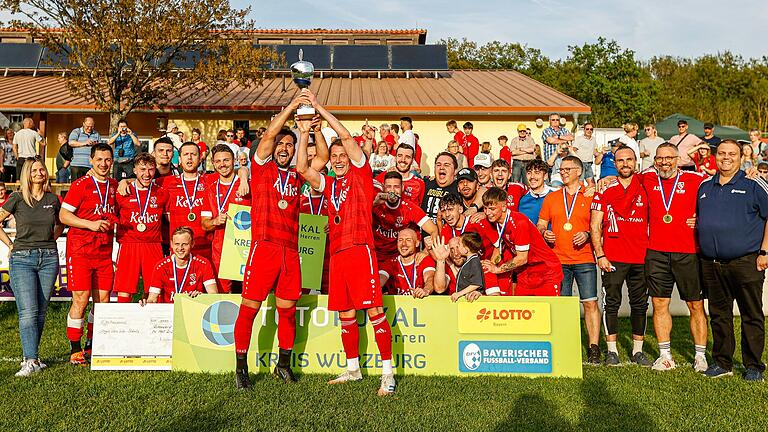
pixel 302 72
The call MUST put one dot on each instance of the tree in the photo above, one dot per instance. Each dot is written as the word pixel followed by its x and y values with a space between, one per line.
pixel 126 54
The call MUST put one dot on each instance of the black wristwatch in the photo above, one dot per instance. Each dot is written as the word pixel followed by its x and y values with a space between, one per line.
pixel 763 252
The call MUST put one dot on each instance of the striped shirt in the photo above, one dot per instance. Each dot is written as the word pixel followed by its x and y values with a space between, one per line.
pixel 550 149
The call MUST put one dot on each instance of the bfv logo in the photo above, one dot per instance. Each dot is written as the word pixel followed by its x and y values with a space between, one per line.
pixel 504 314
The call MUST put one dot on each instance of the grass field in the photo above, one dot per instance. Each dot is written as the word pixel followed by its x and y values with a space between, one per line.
pixel 626 398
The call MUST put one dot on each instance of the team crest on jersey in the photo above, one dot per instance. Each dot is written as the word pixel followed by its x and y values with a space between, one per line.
pixel 399 220
pixel 153 201
pixel 192 279
pixel 639 201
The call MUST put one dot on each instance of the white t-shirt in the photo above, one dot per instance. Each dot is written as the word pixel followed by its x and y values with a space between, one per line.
pixel 585 148
pixel 382 163
pixel 407 137
pixel 649 145
pixel 26 141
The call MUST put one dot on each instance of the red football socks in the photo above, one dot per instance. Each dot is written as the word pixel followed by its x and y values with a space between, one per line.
pixel 350 338
pixel 383 335
pixel 286 327
pixel 244 328
pixel 74 329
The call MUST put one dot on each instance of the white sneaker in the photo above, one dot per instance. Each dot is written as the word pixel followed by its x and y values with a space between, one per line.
pixel 347 376
pixel 663 364
pixel 40 364
pixel 700 364
pixel 388 384
pixel 28 367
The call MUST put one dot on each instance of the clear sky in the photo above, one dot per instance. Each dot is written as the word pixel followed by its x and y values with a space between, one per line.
pixel 651 27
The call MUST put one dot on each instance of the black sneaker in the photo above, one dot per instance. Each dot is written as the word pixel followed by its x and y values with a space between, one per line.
pixel 242 380
pixel 593 354
pixel 639 358
pixel 612 359
pixel 285 374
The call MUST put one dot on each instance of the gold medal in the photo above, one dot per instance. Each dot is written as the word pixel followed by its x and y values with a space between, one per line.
pixel 667 218
pixel 141 227
pixel 191 217
pixel 283 204
pixel 567 226
pixel 337 219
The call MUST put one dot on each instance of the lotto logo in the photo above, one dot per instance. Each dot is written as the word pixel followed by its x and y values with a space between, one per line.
pixel 504 317
pixel 483 314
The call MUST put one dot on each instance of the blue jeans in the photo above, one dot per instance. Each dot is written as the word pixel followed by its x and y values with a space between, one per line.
pixel 33 273
pixel 62 175
pixel 587 173
pixel 586 279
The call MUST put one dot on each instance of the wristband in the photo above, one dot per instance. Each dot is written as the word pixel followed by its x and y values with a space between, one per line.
pixel 601 256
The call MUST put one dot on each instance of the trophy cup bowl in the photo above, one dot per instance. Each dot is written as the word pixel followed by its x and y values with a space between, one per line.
pixel 302 72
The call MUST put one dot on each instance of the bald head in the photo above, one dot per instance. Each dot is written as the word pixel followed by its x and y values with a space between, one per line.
pixel 407 242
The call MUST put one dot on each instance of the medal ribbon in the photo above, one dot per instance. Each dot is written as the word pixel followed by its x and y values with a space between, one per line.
pixel 569 209
pixel 463 227
pixel 411 281
pixel 335 200
pixel 103 197
pixel 319 206
pixel 143 208
pixel 180 286
pixel 500 230
pixel 190 203
pixel 668 203
pixel 219 204
pixel 283 184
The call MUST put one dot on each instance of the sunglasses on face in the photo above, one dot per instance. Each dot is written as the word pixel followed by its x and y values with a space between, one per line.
pixel 230 136
pixel 588 129
pixel 761 172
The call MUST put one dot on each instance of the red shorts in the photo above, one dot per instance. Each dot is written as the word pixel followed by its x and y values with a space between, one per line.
pixel 539 280
pixel 84 273
pixel 134 259
pixel 272 266
pixel 354 280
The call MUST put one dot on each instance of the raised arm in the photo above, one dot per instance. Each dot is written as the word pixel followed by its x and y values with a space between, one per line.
pixel 351 147
pixel 321 146
pixel 310 174
pixel 267 143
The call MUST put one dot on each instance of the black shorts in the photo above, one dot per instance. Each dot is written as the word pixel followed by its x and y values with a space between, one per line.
pixel 665 269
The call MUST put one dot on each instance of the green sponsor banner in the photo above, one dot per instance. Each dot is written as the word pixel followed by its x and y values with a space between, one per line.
pixel 528 336
pixel 237 245
pixel 312 249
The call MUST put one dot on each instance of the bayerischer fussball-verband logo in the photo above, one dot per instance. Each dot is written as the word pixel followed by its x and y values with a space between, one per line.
pixel 219 323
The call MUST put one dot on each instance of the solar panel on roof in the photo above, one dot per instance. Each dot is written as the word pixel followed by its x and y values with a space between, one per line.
pixel 419 57
pixel 360 57
pixel 19 56
pixel 49 60
pixel 318 55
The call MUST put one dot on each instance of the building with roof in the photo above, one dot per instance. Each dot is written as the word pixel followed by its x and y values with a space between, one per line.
pixel 361 75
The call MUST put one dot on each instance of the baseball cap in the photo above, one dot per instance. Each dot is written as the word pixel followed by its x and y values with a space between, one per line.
pixel 682 122
pixel 521 127
pixel 171 126
pixel 708 125
pixel 483 160
pixel 467 174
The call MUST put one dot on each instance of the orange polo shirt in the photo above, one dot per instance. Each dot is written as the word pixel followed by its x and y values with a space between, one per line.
pixel 553 211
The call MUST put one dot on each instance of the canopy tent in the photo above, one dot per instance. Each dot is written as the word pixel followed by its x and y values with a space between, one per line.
pixel 667 128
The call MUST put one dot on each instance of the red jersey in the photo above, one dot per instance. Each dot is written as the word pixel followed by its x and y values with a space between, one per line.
pixel 388 221
pixel 272 185
pixel 203 148
pixel 179 207
pixel 471 148
pixel 515 191
pixel 351 204
pixel 199 273
pixel 146 210
pixel 704 162
pixel 487 233
pixel 521 235
pixel 221 194
pixel 413 187
pixel 314 205
pixel 506 154
pixel 625 221
pixel 402 278
pixel 460 138
pixel 87 202
pixel 675 236
pixel 391 143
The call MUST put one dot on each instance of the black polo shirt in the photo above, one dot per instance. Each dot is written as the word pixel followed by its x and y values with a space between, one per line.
pixel 731 217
